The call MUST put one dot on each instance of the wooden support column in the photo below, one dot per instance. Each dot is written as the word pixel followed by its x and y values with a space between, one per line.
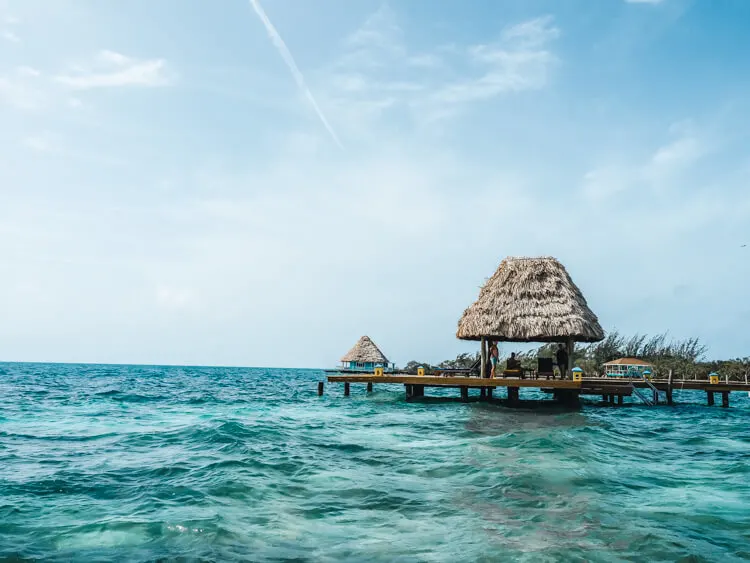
pixel 489 393
pixel 571 349
pixel 605 398
pixel 346 389
pixel 656 397
pixel 725 399
pixel 418 390
pixel 512 394
pixel 465 394
pixel 483 393
pixel 320 388
pixel 670 385
pixel 483 356
pixel 710 396
pixel 619 399
pixel 568 397
pixel 369 387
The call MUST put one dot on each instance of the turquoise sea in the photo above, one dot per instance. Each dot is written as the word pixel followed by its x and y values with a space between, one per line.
pixel 134 463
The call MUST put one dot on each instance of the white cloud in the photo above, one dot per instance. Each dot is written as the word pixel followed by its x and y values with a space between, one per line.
pixel 110 69
pixel 23 89
pixel 42 142
pixel 519 61
pixel 377 72
pixel 10 36
pixel 657 173
pixel 175 297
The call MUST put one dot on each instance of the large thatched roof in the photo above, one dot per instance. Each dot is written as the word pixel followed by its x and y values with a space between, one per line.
pixel 530 300
pixel 365 351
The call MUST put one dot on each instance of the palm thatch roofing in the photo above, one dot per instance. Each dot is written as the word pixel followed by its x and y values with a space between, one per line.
pixel 365 350
pixel 530 300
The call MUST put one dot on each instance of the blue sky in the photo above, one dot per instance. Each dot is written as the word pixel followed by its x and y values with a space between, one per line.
pixel 172 190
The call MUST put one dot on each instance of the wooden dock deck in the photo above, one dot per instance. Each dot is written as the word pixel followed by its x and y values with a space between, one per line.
pixel 612 390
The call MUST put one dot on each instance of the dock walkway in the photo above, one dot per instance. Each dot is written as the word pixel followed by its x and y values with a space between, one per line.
pixel 612 390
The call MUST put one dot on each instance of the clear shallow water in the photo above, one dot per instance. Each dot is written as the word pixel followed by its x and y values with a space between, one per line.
pixel 134 463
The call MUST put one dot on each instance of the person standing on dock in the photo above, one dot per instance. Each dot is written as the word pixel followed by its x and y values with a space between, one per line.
pixel 494 358
pixel 562 360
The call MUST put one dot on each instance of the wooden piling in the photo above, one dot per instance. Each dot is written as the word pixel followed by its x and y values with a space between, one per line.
pixel 670 385
pixel 482 358
pixel 725 399
pixel 346 389
pixel 656 397
pixel 320 388
pixel 465 394
pixel 409 390
pixel 369 387
pixel 483 393
pixel 512 394
pixel 619 399
pixel 710 397
pixel 489 393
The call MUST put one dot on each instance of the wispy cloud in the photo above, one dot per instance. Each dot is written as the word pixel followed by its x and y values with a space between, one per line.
pixel 296 73
pixel 42 142
pixel 377 71
pixel 10 36
pixel 657 173
pixel 22 89
pixel 110 69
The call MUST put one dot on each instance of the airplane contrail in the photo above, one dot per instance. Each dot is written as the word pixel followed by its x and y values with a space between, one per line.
pixel 289 60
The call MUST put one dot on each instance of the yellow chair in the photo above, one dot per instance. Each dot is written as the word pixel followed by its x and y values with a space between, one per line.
pixel 713 378
pixel 420 371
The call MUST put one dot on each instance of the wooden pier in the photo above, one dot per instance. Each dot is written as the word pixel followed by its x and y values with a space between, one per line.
pixel 611 390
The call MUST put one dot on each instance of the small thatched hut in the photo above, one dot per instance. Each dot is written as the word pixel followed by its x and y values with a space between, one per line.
pixel 530 300
pixel 364 356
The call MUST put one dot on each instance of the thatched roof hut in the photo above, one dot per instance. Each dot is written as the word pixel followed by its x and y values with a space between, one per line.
pixel 365 352
pixel 530 300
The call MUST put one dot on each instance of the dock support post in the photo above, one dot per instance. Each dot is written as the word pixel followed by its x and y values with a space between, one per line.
pixel 604 398
pixel 320 388
pixel 483 358
pixel 512 395
pixel 369 387
pixel 489 393
pixel 710 396
pixel 483 393
pixel 346 389
pixel 465 394
pixel 669 389
pixel 409 391
pixel 567 397
pixel 612 399
pixel 418 391
pixel 656 397
pixel 619 399
pixel 725 399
